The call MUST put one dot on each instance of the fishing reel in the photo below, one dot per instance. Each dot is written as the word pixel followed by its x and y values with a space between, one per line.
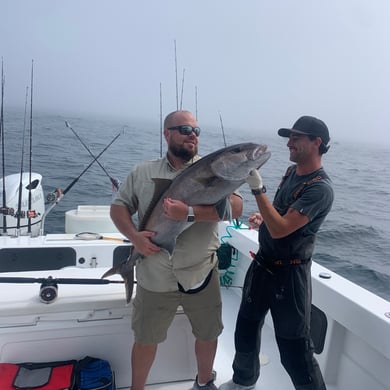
pixel 48 291
pixel 54 196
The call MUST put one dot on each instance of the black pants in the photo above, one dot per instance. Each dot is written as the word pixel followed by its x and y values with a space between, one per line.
pixel 286 292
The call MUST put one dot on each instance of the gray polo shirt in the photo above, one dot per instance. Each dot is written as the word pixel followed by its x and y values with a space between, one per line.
pixel 195 252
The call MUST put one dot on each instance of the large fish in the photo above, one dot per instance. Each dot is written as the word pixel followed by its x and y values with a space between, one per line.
pixel 209 181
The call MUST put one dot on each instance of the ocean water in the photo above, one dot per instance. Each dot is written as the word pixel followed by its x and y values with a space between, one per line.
pixel 353 241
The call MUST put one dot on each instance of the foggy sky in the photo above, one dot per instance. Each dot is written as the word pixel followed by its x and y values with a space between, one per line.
pixel 259 63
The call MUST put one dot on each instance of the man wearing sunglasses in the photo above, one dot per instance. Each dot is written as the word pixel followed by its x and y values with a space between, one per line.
pixel 279 279
pixel 194 261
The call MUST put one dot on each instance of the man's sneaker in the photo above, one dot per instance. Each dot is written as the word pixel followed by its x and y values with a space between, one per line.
pixel 208 386
pixel 234 386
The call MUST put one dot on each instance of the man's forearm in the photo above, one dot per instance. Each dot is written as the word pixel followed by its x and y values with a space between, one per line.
pixel 122 220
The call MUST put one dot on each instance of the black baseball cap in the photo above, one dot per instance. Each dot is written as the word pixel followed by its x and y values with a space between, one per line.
pixel 308 125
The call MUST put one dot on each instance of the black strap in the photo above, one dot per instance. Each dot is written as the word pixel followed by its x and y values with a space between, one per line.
pixel 290 169
pixel 198 289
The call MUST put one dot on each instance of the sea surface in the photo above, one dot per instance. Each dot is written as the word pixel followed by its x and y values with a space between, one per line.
pixel 353 241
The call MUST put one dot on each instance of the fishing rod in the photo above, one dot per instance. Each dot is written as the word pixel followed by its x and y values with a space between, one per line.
pixel 182 89
pixel 17 279
pixel 114 182
pixel 196 102
pixel 161 121
pixel 30 213
pixel 2 147
pixel 223 131
pixel 67 189
pixel 177 91
pixel 19 210
pixel 55 196
pixel 237 222
pixel 49 286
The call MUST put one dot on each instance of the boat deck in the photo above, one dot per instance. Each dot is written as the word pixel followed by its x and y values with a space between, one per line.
pixel 273 376
pixel 27 324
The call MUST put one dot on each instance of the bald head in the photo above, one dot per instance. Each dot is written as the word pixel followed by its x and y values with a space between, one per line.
pixel 177 118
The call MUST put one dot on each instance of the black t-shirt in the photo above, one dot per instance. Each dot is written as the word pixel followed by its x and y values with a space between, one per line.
pixel 311 195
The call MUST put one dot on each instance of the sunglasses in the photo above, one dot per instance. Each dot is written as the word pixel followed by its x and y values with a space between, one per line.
pixel 186 129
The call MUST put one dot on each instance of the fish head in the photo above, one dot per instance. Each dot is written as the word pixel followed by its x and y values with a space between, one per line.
pixel 235 162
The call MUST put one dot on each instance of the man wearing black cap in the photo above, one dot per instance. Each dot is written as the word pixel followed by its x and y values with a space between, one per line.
pixel 279 278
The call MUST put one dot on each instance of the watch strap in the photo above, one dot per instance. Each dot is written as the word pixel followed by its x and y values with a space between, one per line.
pixel 190 216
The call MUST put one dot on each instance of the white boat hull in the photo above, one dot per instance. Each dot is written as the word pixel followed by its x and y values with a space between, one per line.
pixel 94 320
pixel 85 320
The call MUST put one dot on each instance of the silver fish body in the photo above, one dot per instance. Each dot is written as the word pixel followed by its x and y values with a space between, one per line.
pixel 209 181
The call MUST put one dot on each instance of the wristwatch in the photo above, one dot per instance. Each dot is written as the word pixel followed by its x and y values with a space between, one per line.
pixel 259 191
pixel 190 216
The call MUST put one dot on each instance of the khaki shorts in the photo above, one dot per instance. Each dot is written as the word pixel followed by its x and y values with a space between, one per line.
pixel 153 312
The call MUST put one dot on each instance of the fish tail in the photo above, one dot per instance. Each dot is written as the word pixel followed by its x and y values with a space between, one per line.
pixel 126 270
pixel 129 283
pixel 121 267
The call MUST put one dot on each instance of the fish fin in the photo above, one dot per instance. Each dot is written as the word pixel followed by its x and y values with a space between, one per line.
pixel 111 271
pixel 129 262
pixel 126 270
pixel 224 209
pixel 206 181
pixel 160 186
pixel 225 169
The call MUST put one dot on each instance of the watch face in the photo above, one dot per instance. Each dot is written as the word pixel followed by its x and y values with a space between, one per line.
pixel 262 190
pixel 190 218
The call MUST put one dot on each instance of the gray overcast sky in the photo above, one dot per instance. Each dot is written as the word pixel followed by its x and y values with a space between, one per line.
pixel 261 64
